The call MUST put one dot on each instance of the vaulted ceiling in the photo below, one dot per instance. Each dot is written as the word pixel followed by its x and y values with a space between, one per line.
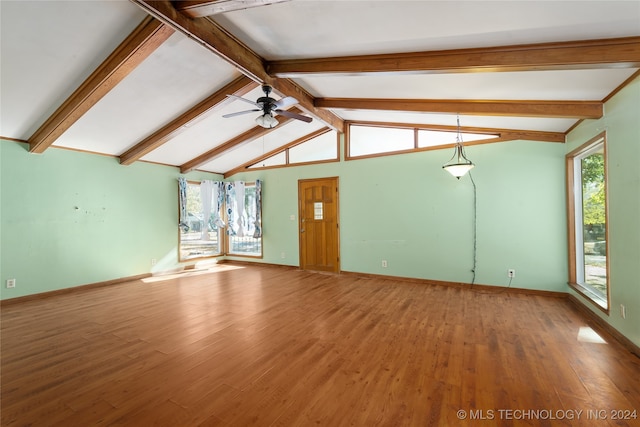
pixel 148 80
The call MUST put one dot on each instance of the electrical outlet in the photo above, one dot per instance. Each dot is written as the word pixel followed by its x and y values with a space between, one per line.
pixel 154 261
pixel 511 273
pixel 623 311
pixel 384 263
pixel 283 255
pixel 11 283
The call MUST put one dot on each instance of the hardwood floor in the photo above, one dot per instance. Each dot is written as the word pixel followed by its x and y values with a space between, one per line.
pixel 270 346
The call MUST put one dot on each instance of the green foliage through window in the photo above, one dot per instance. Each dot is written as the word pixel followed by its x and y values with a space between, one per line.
pixel 593 189
pixel 589 244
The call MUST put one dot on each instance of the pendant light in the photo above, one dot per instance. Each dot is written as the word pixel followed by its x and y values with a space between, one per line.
pixel 458 165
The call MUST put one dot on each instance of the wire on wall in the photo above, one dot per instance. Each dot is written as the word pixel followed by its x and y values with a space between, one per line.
pixel 475 240
pixel 475 229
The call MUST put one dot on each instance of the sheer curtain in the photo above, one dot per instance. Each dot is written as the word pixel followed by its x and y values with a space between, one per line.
pixel 235 208
pixel 239 187
pixel 206 196
pixel 257 233
pixel 212 196
pixel 229 194
pixel 182 192
pixel 218 198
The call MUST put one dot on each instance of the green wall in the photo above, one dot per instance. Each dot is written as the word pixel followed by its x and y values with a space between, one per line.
pixel 407 210
pixel 622 124
pixel 70 218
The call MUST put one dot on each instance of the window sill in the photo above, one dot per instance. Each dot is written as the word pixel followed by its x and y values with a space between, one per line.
pixel 592 297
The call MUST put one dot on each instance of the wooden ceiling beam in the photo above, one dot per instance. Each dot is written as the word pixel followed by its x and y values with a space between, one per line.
pixel 250 135
pixel 200 8
pixel 146 38
pixel 502 134
pixel 520 108
pixel 220 42
pixel 533 135
pixel 239 87
pixel 209 35
pixel 243 167
pixel 587 54
pixel 287 87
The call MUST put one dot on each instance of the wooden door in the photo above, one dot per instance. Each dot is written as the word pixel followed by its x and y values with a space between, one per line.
pixel 318 226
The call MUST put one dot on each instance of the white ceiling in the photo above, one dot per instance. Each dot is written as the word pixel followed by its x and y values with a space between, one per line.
pixel 311 29
pixel 48 48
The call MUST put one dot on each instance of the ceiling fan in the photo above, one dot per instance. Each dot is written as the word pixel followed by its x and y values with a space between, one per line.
pixel 269 106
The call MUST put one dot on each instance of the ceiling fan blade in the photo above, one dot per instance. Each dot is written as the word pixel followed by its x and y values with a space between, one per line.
pixel 294 115
pixel 239 113
pixel 255 104
pixel 286 102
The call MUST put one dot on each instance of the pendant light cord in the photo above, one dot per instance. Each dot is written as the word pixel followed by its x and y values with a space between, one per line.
pixel 475 203
pixel 475 229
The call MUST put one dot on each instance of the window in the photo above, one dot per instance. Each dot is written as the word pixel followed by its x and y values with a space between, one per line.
pixel 198 238
pixel 367 140
pixel 431 138
pixel 587 195
pixel 370 139
pixel 321 146
pixel 244 228
pixel 218 218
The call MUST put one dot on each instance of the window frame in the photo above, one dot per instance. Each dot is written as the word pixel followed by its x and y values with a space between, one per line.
pixel 411 130
pixel 254 165
pixel 227 237
pixel 221 235
pixel 573 182
pixel 416 128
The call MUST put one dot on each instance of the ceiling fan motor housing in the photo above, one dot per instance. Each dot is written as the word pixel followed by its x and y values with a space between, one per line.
pixel 268 103
pixel 269 107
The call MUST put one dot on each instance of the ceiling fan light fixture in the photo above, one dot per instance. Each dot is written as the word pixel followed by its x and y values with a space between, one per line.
pixel 267 121
pixel 458 165
pixel 268 108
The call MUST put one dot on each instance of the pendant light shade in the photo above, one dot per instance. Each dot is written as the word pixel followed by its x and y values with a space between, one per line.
pixel 458 165
pixel 267 121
